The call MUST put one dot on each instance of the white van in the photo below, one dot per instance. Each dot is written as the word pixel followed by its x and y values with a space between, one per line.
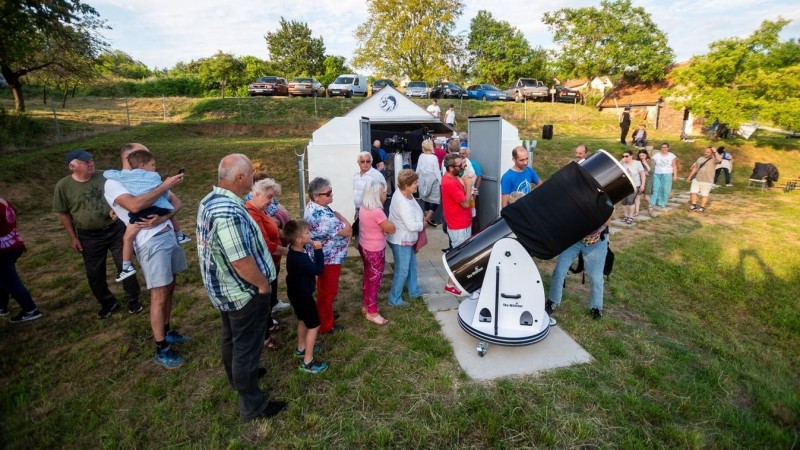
pixel 348 85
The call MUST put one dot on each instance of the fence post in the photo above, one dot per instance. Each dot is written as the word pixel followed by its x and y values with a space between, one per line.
pixel 55 119
pixel 127 112
pixel 164 107
pixel 301 180
pixel 239 103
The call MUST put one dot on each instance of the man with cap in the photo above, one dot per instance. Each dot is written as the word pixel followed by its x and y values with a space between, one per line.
pixel 84 213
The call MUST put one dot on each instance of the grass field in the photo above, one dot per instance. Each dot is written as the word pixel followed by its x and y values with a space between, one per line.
pixel 699 346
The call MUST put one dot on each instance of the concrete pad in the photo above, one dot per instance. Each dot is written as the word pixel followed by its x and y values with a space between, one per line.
pixel 641 218
pixel 614 230
pixel 556 350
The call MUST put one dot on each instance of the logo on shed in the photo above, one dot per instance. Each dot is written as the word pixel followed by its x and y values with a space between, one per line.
pixel 388 103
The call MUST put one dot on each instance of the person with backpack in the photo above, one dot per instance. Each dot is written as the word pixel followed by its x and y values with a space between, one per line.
pixel 593 248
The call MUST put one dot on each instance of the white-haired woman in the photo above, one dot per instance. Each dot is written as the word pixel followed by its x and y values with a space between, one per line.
pixel 372 246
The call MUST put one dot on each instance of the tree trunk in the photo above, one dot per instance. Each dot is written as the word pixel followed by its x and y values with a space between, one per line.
pixel 44 95
pixel 16 89
pixel 66 93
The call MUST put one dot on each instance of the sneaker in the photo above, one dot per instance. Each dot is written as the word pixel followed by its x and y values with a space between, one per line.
pixel 693 208
pixel 728 185
pixel 169 358
pixel 453 290
pixel 313 367
pixel 106 310
pixel 302 353
pixel 548 307
pixel 701 210
pixel 26 316
pixel 432 224
pixel 280 306
pixel 129 272
pixel 173 337
pixel 596 314
pixel 135 307
pixel 182 238
pixel 3 312
pixel 272 410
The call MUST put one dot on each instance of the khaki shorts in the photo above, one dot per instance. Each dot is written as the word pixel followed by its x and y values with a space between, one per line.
pixel 700 187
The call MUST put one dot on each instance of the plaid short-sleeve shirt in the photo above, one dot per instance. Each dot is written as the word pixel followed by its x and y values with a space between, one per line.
pixel 227 233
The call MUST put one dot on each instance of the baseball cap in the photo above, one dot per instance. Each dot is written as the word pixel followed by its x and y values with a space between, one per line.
pixel 79 154
pixel 628 108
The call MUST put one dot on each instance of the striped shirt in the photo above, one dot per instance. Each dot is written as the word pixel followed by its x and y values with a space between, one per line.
pixel 227 233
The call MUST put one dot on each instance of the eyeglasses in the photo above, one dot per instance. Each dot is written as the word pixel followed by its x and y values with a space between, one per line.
pixel 326 194
pixel 626 156
pixel 365 162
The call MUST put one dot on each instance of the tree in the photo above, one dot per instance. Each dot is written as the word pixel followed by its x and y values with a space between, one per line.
pixel 744 79
pixel 119 64
pixel 293 51
pixel 616 39
pixel 35 35
pixel 333 67
pixel 410 38
pixel 499 52
pixel 222 70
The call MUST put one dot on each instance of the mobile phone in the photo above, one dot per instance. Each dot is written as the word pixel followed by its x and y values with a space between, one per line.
pixel 180 171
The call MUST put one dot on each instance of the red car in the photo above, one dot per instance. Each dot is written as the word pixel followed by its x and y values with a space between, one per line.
pixel 268 86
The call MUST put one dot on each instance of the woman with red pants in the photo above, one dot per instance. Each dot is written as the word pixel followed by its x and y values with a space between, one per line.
pixel 334 231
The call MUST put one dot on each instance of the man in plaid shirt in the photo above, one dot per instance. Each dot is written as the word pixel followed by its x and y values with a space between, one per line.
pixel 237 270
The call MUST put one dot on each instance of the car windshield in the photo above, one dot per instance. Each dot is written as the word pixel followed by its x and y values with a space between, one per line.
pixel 527 82
pixel 489 87
pixel 267 80
pixel 417 84
pixel 302 80
pixel 344 80
pixel 453 86
pixel 380 83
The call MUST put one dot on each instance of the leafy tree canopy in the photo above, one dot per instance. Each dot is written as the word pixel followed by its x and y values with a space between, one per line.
pixel 293 51
pixel 119 64
pixel 410 38
pixel 35 35
pixel 615 39
pixel 333 67
pixel 500 53
pixel 222 69
pixel 756 78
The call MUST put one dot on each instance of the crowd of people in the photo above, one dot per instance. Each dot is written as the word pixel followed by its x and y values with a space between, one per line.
pixel 243 234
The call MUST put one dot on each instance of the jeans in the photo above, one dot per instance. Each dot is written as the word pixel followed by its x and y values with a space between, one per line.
pixel 10 283
pixel 662 184
pixel 405 273
pixel 726 172
pixel 241 341
pixel 594 260
pixel 96 245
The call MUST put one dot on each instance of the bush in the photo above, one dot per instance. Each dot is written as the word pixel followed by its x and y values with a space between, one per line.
pixel 18 129
pixel 180 86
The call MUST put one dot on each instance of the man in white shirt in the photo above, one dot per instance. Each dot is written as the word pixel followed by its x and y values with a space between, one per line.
pixel 450 116
pixel 159 255
pixel 434 110
pixel 360 178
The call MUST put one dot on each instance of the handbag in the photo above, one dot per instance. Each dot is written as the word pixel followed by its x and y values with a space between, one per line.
pixel 422 240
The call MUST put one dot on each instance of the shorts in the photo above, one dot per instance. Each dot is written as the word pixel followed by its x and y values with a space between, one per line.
pixel 428 206
pixel 305 309
pixel 700 187
pixel 459 236
pixel 151 211
pixel 631 199
pixel 160 258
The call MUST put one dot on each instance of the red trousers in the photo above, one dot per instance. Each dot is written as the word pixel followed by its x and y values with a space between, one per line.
pixel 327 287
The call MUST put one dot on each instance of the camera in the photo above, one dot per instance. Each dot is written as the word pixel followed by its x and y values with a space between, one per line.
pixel 395 144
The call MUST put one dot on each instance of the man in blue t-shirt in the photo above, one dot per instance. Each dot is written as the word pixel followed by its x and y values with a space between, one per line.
pixel 519 178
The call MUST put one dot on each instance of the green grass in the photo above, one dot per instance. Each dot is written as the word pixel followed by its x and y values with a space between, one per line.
pixel 699 346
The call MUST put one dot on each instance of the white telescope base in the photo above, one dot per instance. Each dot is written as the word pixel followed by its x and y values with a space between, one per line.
pixel 510 308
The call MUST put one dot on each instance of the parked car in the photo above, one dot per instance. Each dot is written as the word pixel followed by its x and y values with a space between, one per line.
pixel 348 85
pixel 306 86
pixel 448 90
pixel 268 86
pixel 417 89
pixel 379 84
pixel 486 92
pixel 567 95
pixel 528 88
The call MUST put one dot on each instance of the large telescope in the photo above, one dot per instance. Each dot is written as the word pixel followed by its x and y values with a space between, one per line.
pixel 496 262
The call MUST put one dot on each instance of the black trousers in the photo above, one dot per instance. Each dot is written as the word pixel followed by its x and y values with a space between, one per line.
pixel 623 133
pixel 96 245
pixel 241 342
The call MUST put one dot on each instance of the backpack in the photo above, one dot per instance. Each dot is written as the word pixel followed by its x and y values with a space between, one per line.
pixel 608 267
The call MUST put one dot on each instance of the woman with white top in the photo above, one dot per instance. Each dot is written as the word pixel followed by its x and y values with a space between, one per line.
pixel 638 176
pixel 408 219
pixel 664 173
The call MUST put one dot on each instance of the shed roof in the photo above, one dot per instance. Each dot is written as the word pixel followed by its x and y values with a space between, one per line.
pixel 636 92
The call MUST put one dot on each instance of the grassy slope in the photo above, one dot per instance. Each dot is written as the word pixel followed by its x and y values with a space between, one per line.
pixel 699 346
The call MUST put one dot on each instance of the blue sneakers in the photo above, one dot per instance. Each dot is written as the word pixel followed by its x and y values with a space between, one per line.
pixel 173 337
pixel 168 358
pixel 313 367
pixel 302 353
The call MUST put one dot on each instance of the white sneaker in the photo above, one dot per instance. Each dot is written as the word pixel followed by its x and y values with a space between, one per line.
pixel 182 238
pixel 126 274
pixel 280 306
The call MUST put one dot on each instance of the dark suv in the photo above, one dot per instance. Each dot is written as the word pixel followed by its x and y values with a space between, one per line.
pixel 377 85
pixel 448 90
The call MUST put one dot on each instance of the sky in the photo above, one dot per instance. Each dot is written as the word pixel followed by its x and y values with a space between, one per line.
pixel 161 33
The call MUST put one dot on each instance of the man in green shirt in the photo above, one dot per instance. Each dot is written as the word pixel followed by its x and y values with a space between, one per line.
pixel 82 209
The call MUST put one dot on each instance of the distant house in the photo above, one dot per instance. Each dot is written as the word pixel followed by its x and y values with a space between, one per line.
pixel 598 84
pixel 649 107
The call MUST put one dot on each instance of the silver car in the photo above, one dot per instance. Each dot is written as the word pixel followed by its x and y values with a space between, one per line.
pixel 417 89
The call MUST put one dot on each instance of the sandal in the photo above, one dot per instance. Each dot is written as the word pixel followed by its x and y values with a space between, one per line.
pixel 272 344
pixel 650 210
pixel 376 318
pixel 274 326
